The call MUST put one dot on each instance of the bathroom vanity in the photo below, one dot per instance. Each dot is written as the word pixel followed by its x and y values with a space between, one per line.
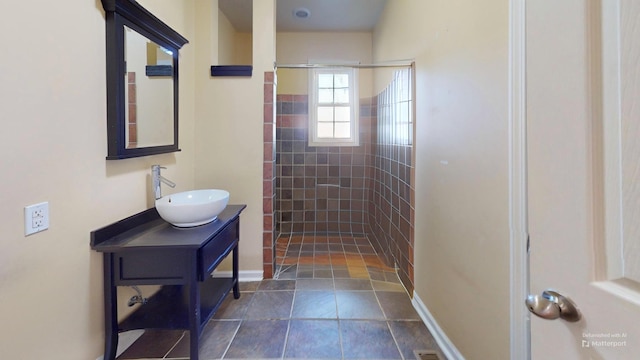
pixel 146 250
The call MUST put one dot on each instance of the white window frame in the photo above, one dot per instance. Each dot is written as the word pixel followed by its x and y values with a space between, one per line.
pixel 354 104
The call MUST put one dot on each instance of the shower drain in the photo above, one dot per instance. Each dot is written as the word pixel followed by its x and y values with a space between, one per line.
pixel 426 355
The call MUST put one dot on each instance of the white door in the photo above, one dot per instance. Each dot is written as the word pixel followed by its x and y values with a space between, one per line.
pixel 583 143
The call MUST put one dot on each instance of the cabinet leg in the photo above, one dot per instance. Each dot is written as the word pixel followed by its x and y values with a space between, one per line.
pixel 194 345
pixel 194 316
pixel 236 283
pixel 110 346
pixel 110 310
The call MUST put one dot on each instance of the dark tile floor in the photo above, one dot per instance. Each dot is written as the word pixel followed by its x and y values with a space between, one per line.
pixel 332 298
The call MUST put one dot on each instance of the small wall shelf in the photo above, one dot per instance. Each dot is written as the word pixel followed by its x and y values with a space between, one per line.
pixel 231 70
pixel 159 70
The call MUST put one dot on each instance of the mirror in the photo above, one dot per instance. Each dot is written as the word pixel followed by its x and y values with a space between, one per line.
pixel 142 81
pixel 148 92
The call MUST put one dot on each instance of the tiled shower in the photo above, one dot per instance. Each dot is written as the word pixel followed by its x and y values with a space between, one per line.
pixel 361 190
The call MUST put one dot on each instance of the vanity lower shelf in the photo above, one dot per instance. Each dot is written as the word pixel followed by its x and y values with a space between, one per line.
pixel 169 307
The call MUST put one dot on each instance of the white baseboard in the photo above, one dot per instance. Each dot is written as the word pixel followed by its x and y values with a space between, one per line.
pixel 446 346
pixel 243 275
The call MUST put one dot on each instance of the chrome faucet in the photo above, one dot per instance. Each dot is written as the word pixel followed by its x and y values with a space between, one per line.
pixel 158 179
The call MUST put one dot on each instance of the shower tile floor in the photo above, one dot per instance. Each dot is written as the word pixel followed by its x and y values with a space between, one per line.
pixel 331 298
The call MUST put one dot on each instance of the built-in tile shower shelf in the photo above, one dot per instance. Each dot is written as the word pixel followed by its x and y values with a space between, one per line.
pixel 231 70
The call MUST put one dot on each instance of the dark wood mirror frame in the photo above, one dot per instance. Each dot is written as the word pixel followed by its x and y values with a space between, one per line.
pixel 118 14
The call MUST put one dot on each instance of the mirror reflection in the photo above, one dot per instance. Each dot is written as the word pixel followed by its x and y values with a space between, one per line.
pixel 148 92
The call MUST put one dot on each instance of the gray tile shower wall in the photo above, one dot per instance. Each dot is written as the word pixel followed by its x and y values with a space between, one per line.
pixel 318 189
pixel 392 192
pixel 391 212
pixel 350 190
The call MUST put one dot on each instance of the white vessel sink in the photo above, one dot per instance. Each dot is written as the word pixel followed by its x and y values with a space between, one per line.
pixel 192 208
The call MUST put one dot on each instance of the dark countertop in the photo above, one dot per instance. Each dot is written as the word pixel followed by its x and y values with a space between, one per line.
pixel 147 230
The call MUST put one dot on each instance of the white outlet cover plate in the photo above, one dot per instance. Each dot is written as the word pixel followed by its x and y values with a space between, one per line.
pixel 36 218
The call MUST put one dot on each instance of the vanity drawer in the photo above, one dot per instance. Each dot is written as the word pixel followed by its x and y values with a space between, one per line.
pixel 216 249
pixel 152 266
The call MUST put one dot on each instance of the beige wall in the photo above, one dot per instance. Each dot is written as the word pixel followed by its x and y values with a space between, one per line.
pixel 243 51
pixel 225 40
pixel 229 119
pixel 461 235
pixel 234 48
pixel 306 47
pixel 53 147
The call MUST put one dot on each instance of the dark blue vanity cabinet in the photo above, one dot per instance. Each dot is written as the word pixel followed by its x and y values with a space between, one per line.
pixel 145 250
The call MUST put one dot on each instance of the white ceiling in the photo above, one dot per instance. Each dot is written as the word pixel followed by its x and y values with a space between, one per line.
pixel 326 15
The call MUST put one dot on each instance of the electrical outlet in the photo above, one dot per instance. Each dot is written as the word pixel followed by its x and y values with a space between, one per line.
pixel 36 218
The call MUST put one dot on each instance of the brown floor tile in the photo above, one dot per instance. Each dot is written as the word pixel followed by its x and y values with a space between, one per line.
pixel 214 341
pixel 397 305
pixel 338 259
pixel 314 305
pixel 412 335
pixel 257 339
pixel 314 284
pixel 362 241
pixel 306 273
pixel 321 259
pixel 358 272
pixel 306 247
pixel 234 308
pixel 366 249
pixel 296 239
pixel 353 284
pixel 322 274
pixel 367 340
pixel 277 285
pixel 336 248
pixel 354 257
pixel 303 260
pixel 321 239
pixel 292 253
pixel 351 249
pixel 373 260
pixel 376 274
pixel 289 261
pixel 152 344
pixel 321 248
pixel 288 272
pixel 270 305
pixel 387 286
pixel 341 274
pixel 313 339
pixel 249 286
pixel 358 305
pixel 391 276
pixel 335 267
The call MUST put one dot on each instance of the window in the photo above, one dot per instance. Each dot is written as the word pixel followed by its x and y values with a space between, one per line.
pixel 333 107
